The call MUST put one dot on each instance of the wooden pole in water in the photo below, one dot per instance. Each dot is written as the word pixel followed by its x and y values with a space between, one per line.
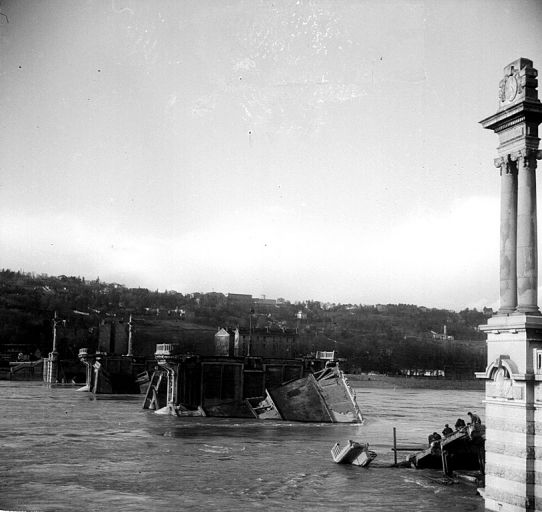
pixel 130 331
pixel 394 446
pixel 55 324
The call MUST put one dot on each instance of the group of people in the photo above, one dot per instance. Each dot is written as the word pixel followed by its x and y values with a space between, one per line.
pixel 475 422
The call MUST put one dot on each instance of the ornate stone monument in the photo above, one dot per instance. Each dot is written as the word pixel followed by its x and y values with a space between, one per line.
pixel 513 375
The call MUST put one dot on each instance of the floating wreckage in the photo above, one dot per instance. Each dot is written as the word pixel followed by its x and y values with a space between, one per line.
pixel 262 385
pixel 352 453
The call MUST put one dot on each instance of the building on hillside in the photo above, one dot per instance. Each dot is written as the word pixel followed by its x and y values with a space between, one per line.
pixel 267 342
pixel 264 305
pixel 264 302
pixel 213 299
pixel 240 299
pixel 442 336
pixel 177 313
pixel 422 372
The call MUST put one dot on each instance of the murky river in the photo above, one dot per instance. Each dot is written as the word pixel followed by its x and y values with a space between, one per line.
pixel 66 450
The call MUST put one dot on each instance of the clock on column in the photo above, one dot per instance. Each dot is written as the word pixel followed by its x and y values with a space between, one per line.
pixel 510 88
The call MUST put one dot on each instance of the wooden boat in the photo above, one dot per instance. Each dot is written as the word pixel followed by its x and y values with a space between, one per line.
pixel 264 409
pixel 430 457
pixel 352 453
pixel 323 396
pixel 464 449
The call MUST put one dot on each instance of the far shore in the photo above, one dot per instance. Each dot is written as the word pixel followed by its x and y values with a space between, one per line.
pixel 364 380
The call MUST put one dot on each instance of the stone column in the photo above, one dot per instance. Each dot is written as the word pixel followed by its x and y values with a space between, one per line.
pixel 509 186
pixel 527 257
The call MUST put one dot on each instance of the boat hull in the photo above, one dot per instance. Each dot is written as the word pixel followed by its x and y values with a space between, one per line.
pixel 462 450
pixel 301 400
pixel 321 397
pixel 353 453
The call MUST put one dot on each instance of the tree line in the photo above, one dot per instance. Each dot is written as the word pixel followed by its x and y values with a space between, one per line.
pixel 385 338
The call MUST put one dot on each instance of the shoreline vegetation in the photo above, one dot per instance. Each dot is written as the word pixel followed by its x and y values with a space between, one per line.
pixel 365 380
pixel 381 338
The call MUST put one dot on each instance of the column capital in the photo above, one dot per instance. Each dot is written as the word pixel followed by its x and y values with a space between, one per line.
pixel 499 162
pixel 506 164
pixel 529 153
pixel 527 157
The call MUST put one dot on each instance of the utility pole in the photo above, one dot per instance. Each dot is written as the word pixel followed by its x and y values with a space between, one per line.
pixel 51 364
pixel 130 332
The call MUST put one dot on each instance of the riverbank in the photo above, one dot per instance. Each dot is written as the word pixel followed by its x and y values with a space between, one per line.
pixel 364 380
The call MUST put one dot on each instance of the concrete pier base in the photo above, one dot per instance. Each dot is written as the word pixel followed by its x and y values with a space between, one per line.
pixel 513 475
pixel 51 367
pixel 167 360
pixel 88 361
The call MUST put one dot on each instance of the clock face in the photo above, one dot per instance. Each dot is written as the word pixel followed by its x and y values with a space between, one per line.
pixel 510 88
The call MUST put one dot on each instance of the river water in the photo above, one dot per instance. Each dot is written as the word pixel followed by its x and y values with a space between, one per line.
pixel 64 450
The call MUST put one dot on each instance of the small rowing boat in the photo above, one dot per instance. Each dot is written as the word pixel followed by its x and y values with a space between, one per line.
pixel 352 453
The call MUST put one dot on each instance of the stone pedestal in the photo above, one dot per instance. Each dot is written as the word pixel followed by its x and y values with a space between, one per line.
pixel 513 480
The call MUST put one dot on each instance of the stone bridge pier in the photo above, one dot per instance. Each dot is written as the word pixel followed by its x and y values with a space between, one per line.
pixel 513 480
pixel 88 361
pixel 167 358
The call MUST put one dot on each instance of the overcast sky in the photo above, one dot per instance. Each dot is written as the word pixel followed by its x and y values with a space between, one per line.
pixel 325 150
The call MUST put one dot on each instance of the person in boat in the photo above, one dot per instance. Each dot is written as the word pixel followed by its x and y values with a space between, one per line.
pixel 447 430
pixel 434 441
pixel 459 424
pixel 435 436
pixel 474 419
pixel 475 425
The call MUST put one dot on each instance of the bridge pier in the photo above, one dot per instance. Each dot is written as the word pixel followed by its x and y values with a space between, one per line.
pixel 88 361
pixel 51 365
pixel 166 357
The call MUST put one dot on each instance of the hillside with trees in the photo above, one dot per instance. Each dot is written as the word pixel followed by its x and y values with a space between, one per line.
pixel 389 338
